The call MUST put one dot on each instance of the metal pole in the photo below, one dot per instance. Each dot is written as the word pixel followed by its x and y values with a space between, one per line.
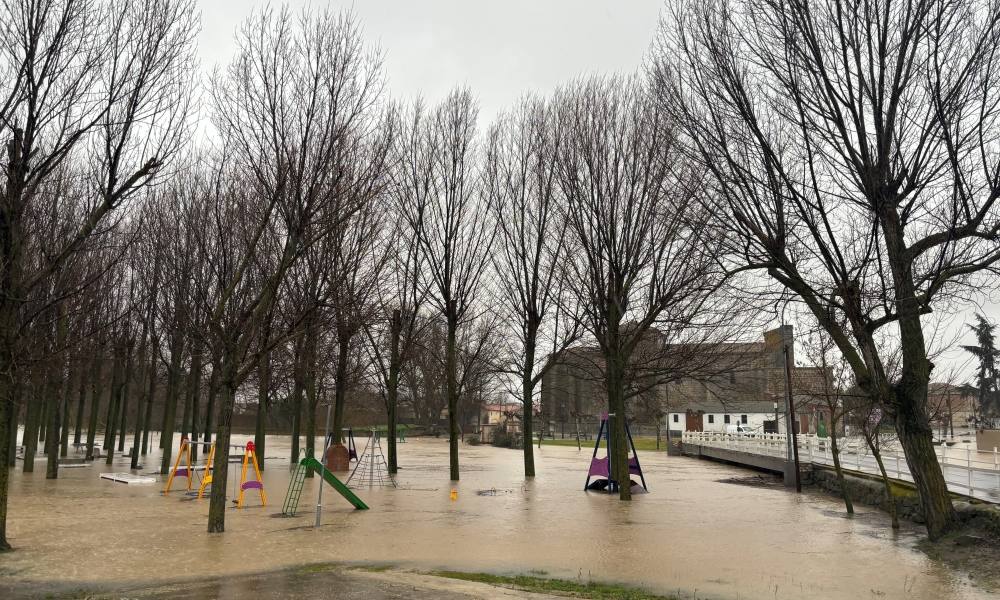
pixel 326 446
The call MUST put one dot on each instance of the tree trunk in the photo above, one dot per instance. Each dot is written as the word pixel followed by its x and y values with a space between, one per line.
pixel 886 484
pixel 615 362
pixel 392 386
pixel 54 393
pixel 115 402
pixel 54 401
pixel 190 419
pixel 147 418
pixel 213 391
pixel 123 403
pixel 31 417
pixel 344 336
pixel 71 372
pixel 139 421
pixel 263 402
pixel 451 372
pixel 96 391
pixel 527 396
pixel 170 402
pixel 8 425
pixel 909 401
pixel 312 397
pixel 220 465
pixel 914 430
pixel 86 379
pixel 298 388
pixel 837 468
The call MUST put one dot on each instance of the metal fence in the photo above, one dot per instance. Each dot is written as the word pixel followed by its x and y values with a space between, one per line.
pixel 967 471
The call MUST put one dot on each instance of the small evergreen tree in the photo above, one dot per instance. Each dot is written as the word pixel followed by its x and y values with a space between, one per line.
pixel 986 353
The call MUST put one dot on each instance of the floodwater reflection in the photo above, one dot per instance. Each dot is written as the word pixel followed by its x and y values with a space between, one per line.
pixel 692 533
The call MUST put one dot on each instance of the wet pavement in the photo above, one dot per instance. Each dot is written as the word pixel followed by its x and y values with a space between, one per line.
pixel 692 535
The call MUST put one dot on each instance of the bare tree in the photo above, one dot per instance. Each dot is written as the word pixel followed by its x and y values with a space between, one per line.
pixel 442 204
pixel 852 152
pixel 521 186
pixel 108 83
pixel 830 389
pixel 392 339
pixel 298 108
pixel 641 271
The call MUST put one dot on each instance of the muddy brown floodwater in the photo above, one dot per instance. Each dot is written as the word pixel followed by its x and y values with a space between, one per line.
pixel 693 534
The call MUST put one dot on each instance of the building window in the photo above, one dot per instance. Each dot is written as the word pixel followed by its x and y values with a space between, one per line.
pixel 743 419
pixel 711 419
pixel 676 418
pixel 725 419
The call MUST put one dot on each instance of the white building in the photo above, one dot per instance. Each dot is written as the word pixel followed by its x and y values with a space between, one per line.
pixel 758 416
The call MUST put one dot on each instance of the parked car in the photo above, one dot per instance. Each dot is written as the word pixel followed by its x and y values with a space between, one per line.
pixel 739 429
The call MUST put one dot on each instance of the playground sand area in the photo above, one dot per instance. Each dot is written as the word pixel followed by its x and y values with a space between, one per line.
pixel 693 535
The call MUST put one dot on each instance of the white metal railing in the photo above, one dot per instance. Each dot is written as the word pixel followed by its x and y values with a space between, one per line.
pixel 967 471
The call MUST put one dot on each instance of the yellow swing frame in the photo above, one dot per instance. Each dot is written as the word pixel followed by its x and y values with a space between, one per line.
pixel 250 458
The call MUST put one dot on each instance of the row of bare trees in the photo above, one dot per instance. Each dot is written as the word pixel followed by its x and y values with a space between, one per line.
pixel 323 238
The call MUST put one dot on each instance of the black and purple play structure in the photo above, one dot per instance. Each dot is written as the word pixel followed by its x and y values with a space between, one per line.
pixel 600 468
pixel 352 448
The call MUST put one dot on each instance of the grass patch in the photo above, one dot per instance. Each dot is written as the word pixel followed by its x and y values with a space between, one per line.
pixel 575 589
pixel 317 568
pixel 374 568
pixel 645 444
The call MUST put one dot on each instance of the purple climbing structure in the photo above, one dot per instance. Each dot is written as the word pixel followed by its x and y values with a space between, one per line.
pixel 600 468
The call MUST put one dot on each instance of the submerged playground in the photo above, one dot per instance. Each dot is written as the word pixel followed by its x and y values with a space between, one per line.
pixel 701 531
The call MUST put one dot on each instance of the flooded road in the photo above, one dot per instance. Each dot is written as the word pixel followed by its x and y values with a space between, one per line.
pixel 692 534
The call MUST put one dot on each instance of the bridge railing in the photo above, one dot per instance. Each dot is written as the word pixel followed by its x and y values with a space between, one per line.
pixel 967 471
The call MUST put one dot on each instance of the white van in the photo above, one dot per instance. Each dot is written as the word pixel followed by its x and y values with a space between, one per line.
pixel 739 429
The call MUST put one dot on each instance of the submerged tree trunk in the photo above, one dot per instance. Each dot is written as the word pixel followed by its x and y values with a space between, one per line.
pixel 213 392
pixel 263 403
pixel 344 336
pixel 890 498
pixel 147 417
pixel 615 362
pixel 392 386
pixel 96 391
pixel 312 396
pixel 31 418
pixel 55 393
pixel 846 493
pixel 170 401
pixel 115 402
pixel 298 388
pixel 189 423
pixel 451 372
pixel 81 401
pixel 9 397
pixel 71 372
pixel 125 395
pixel 220 465
pixel 527 397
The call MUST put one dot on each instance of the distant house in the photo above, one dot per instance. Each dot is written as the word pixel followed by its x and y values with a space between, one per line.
pixel 735 383
pixel 497 416
pixel 951 406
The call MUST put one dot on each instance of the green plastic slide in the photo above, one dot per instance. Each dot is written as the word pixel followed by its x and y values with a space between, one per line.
pixel 312 463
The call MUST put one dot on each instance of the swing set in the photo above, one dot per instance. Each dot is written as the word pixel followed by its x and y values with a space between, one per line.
pixel 600 468
pixel 188 470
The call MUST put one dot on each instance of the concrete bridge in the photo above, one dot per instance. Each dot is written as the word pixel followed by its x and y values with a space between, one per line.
pixel 967 470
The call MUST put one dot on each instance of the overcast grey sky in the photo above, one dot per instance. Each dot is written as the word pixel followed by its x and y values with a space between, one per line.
pixel 500 49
